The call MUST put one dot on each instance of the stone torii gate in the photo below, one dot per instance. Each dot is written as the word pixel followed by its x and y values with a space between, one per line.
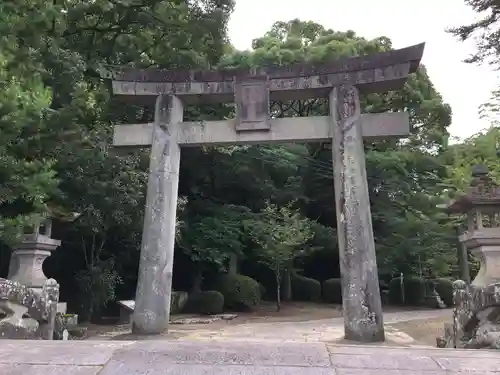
pixel 340 81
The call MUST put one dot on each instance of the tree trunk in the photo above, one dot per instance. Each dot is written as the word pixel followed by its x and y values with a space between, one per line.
pixel 287 285
pixel 233 264
pixel 87 309
pixel 278 292
pixel 197 281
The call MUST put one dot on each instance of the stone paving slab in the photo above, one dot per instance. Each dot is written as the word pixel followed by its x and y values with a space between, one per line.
pixel 39 352
pixel 23 369
pixel 161 357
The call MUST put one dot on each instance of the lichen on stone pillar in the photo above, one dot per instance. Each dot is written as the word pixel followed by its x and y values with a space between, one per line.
pixel 362 306
pixel 152 301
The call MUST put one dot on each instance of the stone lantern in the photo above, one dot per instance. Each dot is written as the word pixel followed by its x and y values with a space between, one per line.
pixel 481 203
pixel 28 257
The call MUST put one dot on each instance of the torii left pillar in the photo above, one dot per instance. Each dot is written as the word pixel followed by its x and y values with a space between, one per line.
pixel 363 317
pixel 154 286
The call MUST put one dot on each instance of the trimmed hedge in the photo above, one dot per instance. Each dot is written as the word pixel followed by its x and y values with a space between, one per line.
pixel 305 289
pixel 414 291
pixel 444 287
pixel 241 293
pixel 332 291
pixel 208 302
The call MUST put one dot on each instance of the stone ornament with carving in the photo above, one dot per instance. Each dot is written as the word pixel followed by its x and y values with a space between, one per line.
pixel 18 301
pixel 476 317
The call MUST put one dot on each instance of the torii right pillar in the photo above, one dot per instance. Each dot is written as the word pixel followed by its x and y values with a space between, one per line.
pixel 363 320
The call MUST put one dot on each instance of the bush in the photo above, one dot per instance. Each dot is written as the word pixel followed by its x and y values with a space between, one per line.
pixel 208 302
pixel 305 289
pixel 332 291
pixel 444 287
pixel 414 291
pixel 241 293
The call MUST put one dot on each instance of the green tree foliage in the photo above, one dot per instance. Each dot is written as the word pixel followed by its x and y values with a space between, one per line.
pixel 27 180
pixel 61 45
pixel 486 34
pixel 486 30
pixel 481 148
pixel 280 232
pixel 210 236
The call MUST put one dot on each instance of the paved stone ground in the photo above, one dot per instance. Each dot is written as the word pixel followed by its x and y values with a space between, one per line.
pixel 161 357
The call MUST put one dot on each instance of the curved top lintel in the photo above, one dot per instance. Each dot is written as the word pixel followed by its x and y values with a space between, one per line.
pixel 411 55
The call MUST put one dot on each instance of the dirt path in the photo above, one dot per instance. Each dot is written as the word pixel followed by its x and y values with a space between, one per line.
pixel 289 327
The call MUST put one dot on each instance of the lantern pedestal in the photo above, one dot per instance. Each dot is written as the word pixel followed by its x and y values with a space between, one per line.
pixel 27 260
pixel 484 244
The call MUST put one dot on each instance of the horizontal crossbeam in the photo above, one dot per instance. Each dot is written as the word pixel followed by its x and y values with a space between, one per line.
pixel 283 130
pixel 380 79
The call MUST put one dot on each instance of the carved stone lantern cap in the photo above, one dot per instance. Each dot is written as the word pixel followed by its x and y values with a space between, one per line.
pixel 479 170
pixel 41 232
pixel 482 192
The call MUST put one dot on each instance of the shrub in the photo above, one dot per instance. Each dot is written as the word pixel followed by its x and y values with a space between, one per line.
pixel 208 302
pixel 444 287
pixel 414 291
pixel 332 291
pixel 241 293
pixel 305 289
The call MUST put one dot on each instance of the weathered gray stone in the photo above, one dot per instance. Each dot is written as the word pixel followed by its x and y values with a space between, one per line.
pixel 471 364
pixel 381 351
pixel 152 302
pixel 70 353
pixel 360 287
pixel 379 72
pixel 160 369
pixel 27 259
pixel 395 362
pixel 391 372
pixel 476 317
pixel 178 301
pixel 221 353
pixel 17 301
pixel 252 104
pixel 204 320
pixel 282 130
pixel 23 369
pixel 195 358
